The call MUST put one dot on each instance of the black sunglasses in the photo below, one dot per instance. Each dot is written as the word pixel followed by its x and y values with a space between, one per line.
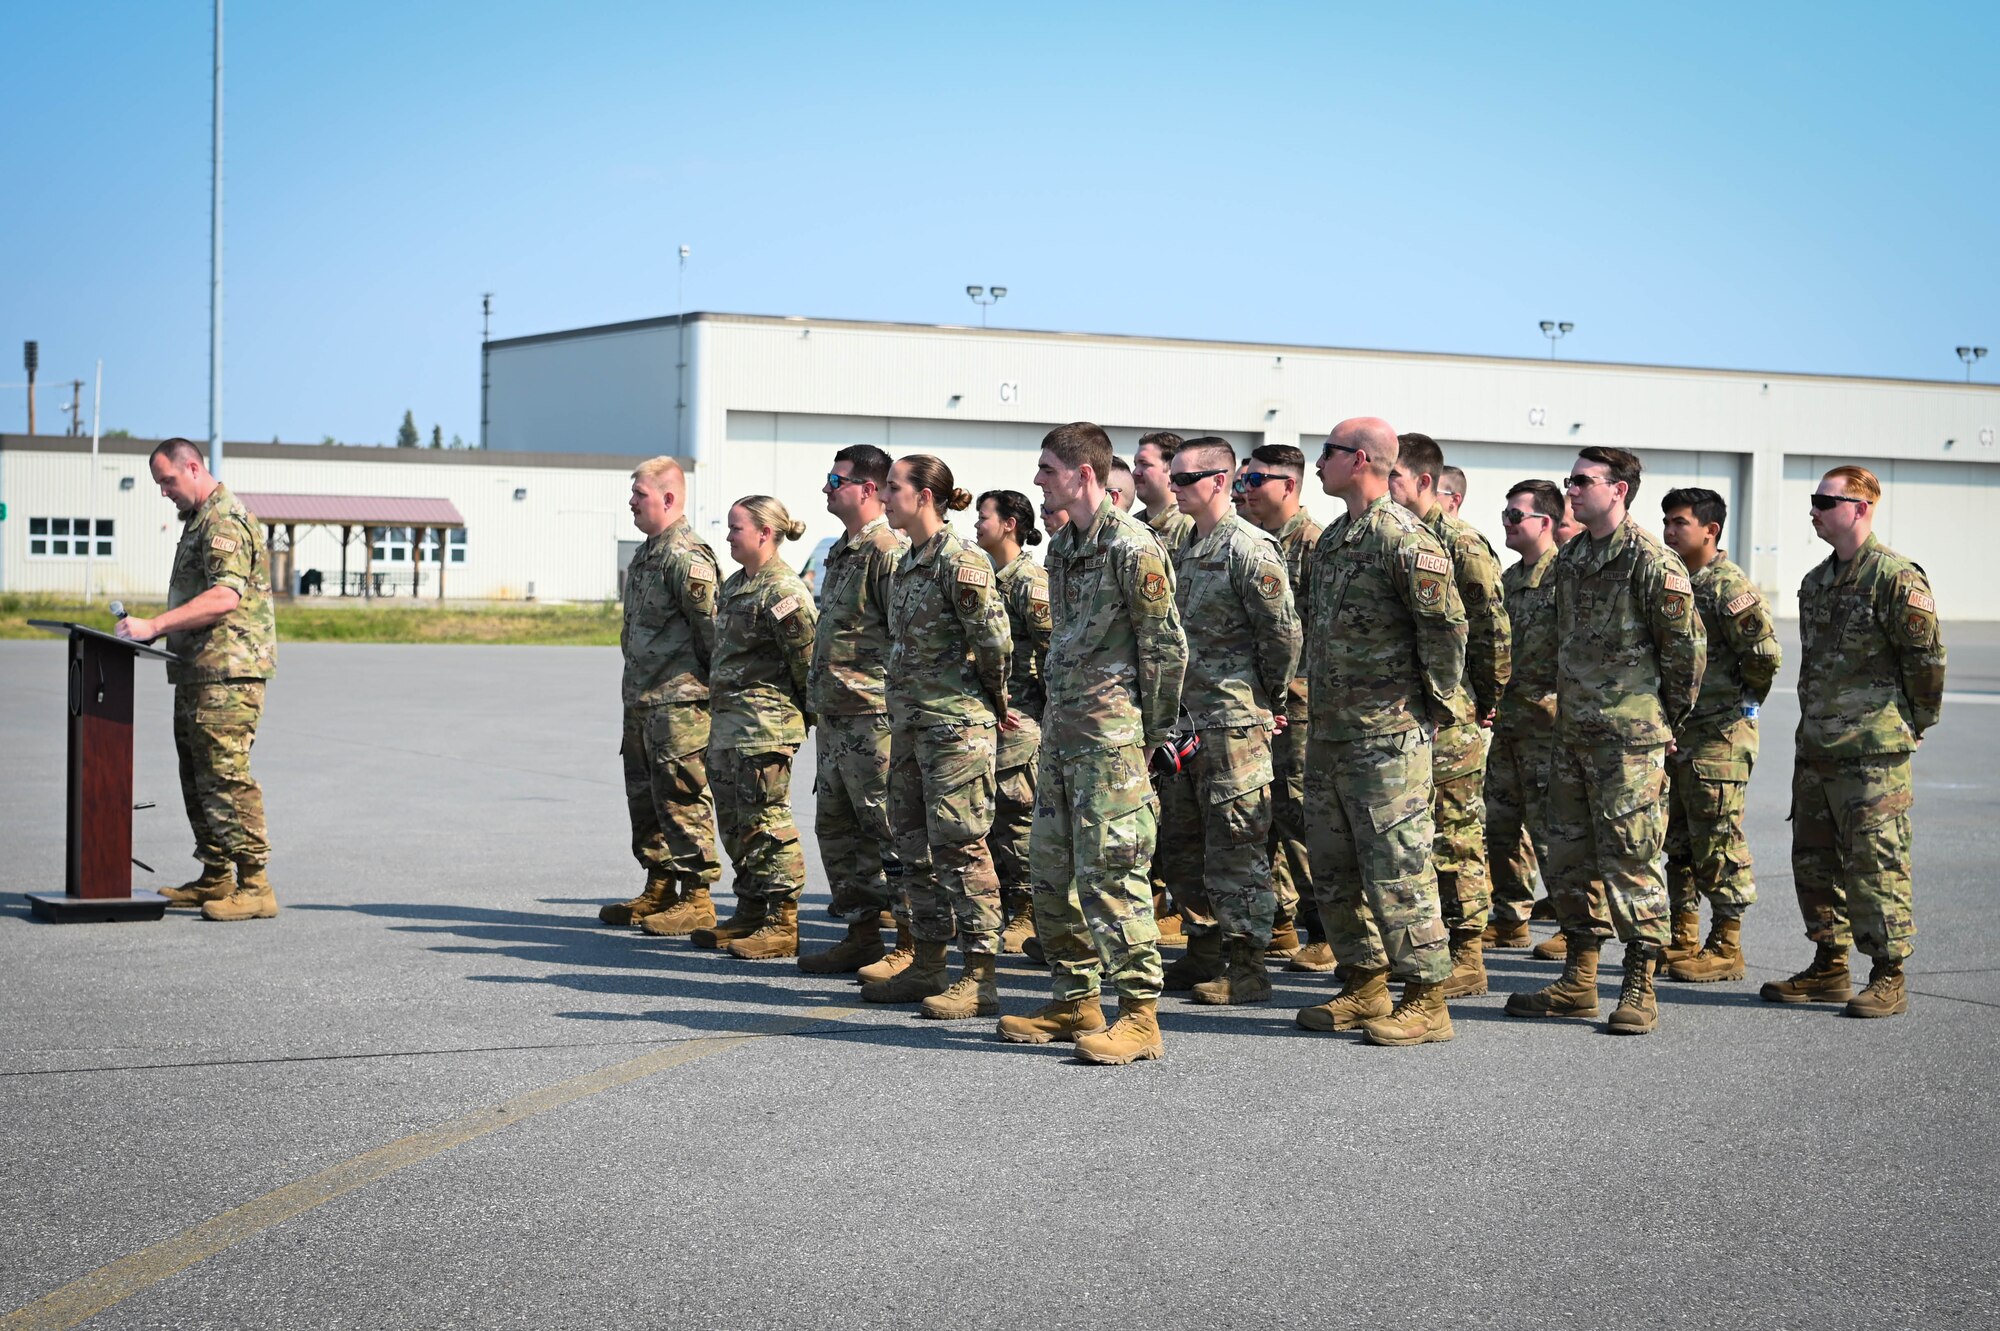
pixel 1825 502
pixel 835 480
pixel 1250 480
pixel 1329 448
pixel 1183 479
pixel 1514 517
pixel 1582 482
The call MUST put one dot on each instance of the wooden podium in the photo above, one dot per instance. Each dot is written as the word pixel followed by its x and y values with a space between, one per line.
pixel 99 881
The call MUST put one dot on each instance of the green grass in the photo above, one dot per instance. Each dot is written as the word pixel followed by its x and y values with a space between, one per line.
pixel 594 625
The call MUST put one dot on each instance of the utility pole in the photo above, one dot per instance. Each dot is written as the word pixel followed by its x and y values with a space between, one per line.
pixel 215 267
pixel 31 357
pixel 681 369
pixel 75 407
pixel 485 360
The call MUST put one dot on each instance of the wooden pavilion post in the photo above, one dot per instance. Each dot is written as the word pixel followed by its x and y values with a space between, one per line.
pixel 368 563
pixel 444 558
pixel 346 531
pixel 291 558
pixel 417 535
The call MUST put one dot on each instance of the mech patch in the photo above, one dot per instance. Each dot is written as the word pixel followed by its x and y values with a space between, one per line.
pixel 700 572
pixel 1431 563
pixel 1271 586
pixel 1677 582
pixel 976 577
pixel 1740 604
pixel 1922 602
pixel 223 543
pixel 1430 591
pixel 784 607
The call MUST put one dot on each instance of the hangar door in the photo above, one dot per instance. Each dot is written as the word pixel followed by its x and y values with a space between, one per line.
pixel 1933 512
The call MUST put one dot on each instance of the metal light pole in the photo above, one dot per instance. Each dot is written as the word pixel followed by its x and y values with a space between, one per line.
pixel 485 360
pixel 215 268
pixel 96 427
pixel 1969 355
pixel 31 361
pixel 681 358
pixel 1555 332
pixel 982 300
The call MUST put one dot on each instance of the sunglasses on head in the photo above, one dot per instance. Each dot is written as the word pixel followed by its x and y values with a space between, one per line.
pixel 1825 502
pixel 1183 479
pixel 1514 517
pixel 1250 480
pixel 835 480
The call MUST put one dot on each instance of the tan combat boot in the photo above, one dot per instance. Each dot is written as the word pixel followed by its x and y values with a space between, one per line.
pixel 1553 948
pixel 1506 933
pixel 1364 996
pixel 894 962
pixel 924 976
pixel 777 936
pixel 253 898
pixel 216 882
pixel 976 992
pixel 695 910
pixel 1018 929
pixel 659 895
pixel 1316 957
pixel 1135 1035
pixel 1063 1019
pixel 1284 936
pixel 1721 958
pixel 1202 961
pixel 1468 965
pixel 1638 1009
pixel 862 946
pixel 1884 996
pixel 1687 938
pixel 1421 1018
pixel 1574 994
pixel 1824 981
pixel 747 919
pixel 1246 982
pixel 1031 948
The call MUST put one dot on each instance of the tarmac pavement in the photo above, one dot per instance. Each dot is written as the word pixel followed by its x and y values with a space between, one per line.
pixel 293 1122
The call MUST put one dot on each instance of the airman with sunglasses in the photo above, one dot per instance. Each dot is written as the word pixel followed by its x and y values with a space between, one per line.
pixel 1267 493
pixel 1628 667
pixel 1871 683
pixel 1177 856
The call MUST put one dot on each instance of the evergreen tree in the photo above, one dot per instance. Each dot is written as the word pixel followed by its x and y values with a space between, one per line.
pixel 456 442
pixel 406 433
pixel 437 436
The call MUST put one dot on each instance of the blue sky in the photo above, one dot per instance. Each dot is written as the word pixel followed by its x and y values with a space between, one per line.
pixel 1776 186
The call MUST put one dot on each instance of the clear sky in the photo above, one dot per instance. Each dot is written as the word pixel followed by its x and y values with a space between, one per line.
pixel 1767 185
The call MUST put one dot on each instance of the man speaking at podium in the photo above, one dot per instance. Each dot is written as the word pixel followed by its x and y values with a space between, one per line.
pixel 219 622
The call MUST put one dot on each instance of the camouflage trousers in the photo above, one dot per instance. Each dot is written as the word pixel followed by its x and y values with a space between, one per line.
pixel 1458 809
pixel 1368 819
pixel 665 751
pixel 851 811
pixel 1232 784
pixel 1291 867
pixel 1517 794
pixel 940 809
pixel 753 806
pixel 1014 813
pixel 1851 852
pixel 1095 820
pixel 1177 853
pixel 1607 827
pixel 214 727
pixel 1707 853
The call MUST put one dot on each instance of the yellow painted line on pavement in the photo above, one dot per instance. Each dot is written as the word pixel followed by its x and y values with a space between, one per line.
pixel 89 1295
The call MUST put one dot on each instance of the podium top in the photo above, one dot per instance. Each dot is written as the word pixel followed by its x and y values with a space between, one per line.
pixel 84 630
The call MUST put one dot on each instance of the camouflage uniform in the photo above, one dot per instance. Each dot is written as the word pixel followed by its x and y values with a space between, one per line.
pixel 1235 602
pixel 1871 682
pixel 947 687
pixel 1715 748
pixel 1291 868
pixel 219 682
pixel 757 690
pixel 1177 853
pixel 667 639
pixel 1114 683
pixel 1458 756
pixel 1024 591
pixel 1628 665
pixel 1386 654
pixel 851 751
pixel 1517 768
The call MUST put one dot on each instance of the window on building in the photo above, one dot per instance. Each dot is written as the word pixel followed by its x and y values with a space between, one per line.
pixel 71 538
pixel 392 545
pixel 455 543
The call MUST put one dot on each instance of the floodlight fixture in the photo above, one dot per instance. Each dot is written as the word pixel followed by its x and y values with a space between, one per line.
pixel 983 298
pixel 1554 332
pixel 1969 355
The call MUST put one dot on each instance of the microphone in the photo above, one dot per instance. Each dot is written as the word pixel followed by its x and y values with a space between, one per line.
pixel 118 610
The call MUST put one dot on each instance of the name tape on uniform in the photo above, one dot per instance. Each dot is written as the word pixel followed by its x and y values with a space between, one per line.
pixel 224 544
pixel 784 607
pixel 1431 563
pixel 1922 602
pixel 1677 582
pixel 977 577
pixel 1740 604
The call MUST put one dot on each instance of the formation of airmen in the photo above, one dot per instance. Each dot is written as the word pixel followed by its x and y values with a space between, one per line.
pixel 1209 723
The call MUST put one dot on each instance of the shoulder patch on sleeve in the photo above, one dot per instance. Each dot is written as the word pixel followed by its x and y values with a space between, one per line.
pixel 226 544
pixel 1677 582
pixel 785 607
pixel 1740 604
pixel 1431 563
pixel 700 570
pixel 977 577
pixel 1922 602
